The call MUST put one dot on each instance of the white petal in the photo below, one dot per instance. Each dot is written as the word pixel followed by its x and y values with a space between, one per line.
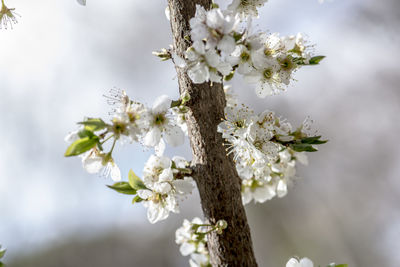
pixel 281 188
pixel 162 188
pixel 156 212
pixel 215 77
pixel 183 186
pixel 144 193
pixel 212 58
pixel 187 248
pixel 171 204
pixel 199 47
pixel 306 262
pixel 225 68
pixel 215 18
pixel 166 175
pixel 152 137
pixel 245 68
pixel 153 212
pixel 246 196
pixel 199 73
pixel 161 104
pixel 174 135
pixel 263 194
pixel 179 62
pixel 227 44
pixel 160 148
pixel 92 164
pixel 293 263
pixel 180 162
pixel 263 89
pixel 199 258
pixel 115 172
pixel 167 13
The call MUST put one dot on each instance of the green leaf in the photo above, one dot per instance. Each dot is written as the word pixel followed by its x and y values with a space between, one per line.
pixel 303 147
pixel 86 133
pixel 315 60
pixel 176 103
pixel 337 265
pixel 2 252
pixel 135 182
pixel 237 36
pixel 314 140
pixel 137 199
pixel 229 76
pixel 94 124
pixel 80 146
pixel 123 188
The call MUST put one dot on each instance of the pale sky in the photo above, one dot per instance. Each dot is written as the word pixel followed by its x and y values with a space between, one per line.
pixel 61 58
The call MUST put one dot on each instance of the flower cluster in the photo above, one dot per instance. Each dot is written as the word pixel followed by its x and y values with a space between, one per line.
pixel 192 238
pixel 7 16
pixel 306 262
pixel 265 150
pixel 164 181
pixel 220 49
pixel 246 8
pixel 133 122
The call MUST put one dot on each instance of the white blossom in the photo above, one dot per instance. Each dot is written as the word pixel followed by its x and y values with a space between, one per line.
pixel 266 166
pixel 246 8
pixel 304 262
pixel 216 27
pixel 95 162
pixel 161 123
pixel 163 186
pixel 192 240
pixel 205 64
pixel 8 16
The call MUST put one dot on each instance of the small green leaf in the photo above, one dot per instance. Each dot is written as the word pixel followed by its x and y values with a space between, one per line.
pixel 81 145
pixel 123 188
pixel 337 265
pixel 2 252
pixel 85 133
pixel 176 103
pixel 315 60
pixel 214 5
pixel 314 140
pixel 303 147
pixel 237 36
pixel 94 124
pixel 135 182
pixel 137 199
pixel 229 76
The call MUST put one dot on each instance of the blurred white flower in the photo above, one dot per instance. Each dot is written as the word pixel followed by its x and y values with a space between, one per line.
pixel 95 162
pixel 82 2
pixel 304 262
pixel 246 8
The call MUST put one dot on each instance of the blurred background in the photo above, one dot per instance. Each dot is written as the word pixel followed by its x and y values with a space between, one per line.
pixel 60 59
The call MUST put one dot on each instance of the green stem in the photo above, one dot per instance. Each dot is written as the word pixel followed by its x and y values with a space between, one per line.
pixel 113 145
pixel 105 140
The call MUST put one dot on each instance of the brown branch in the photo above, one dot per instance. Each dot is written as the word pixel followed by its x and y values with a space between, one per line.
pixel 214 172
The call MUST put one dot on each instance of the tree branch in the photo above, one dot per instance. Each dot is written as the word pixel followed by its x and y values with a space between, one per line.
pixel 214 172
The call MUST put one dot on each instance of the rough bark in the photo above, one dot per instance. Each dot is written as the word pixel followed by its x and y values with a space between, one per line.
pixel 215 172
